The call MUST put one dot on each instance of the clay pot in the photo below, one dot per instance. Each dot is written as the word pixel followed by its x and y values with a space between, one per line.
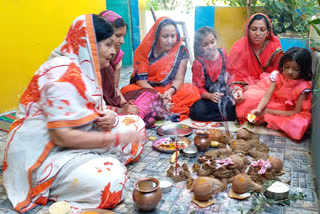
pixel 203 158
pixel 147 193
pixel 202 140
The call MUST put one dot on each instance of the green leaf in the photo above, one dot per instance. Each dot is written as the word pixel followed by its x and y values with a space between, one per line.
pixel 316 28
pixel 315 21
pixel 286 24
pixel 270 201
pixel 318 93
pixel 282 203
pixel 287 202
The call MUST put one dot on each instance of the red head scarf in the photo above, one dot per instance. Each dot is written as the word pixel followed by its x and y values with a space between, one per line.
pixel 245 65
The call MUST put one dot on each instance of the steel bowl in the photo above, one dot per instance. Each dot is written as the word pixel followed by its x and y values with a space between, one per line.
pixel 190 151
pixel 277 191
pixel 166 184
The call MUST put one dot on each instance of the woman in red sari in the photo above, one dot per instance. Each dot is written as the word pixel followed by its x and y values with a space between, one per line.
pixel 160 63
pixel 257 52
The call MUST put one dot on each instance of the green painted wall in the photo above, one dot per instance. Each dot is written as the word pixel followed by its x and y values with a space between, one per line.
pixel 122 7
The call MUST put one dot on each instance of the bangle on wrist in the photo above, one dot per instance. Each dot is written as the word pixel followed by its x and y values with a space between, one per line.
pixel 123 104
pixel 174 88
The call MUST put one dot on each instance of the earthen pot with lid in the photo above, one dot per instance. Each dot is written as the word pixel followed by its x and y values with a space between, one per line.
pixel 202 140
pixel 147 193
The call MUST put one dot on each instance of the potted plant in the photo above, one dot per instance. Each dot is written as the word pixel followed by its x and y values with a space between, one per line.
pixel 290 20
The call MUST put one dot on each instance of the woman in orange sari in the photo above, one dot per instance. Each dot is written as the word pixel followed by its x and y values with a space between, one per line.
pixel 160 63
pixel 257 52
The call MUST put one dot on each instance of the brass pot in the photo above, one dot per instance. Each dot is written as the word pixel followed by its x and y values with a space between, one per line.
pixel 147 193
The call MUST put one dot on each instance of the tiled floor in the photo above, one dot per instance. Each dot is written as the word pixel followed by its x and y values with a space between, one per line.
pixel 297 165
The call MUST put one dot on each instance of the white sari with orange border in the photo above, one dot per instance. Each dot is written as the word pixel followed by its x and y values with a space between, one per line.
pixel 65 93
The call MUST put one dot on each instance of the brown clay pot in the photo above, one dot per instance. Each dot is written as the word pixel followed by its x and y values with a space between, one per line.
pixel 203 158
pixel 147 193
pixel 202 140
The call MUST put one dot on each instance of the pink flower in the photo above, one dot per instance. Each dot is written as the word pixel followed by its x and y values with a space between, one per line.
pixel 264 165
pixel 224 162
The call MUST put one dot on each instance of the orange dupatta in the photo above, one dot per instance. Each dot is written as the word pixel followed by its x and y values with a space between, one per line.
pixel 159 71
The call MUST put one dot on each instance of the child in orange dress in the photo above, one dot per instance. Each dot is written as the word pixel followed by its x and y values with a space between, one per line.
pixel 282 99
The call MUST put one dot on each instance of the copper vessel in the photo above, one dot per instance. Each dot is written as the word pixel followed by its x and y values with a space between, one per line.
pixel 202 140
pixel 147 193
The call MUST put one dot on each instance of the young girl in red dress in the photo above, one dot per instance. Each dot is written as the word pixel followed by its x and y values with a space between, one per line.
pixel 282 99
pixel 210 75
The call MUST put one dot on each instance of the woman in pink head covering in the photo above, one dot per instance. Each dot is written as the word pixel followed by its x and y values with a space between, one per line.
pixel 146 103
pixel 111 75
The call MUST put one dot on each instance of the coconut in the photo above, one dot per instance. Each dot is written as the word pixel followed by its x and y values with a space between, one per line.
pixel 243 134
pixel 241 183
pixel 215 135
pixel 238 161
pixel 203 189
pixel 276 164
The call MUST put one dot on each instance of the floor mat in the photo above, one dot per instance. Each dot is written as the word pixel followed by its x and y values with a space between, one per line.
pixel 6 121
pixel 232 127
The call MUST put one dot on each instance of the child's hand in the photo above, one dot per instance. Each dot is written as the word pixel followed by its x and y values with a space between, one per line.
pixel 256 112
pixel 215 97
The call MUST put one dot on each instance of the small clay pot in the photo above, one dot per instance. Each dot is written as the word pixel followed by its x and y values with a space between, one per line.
pixel 202 140
pixel 147 193
pixel 203 158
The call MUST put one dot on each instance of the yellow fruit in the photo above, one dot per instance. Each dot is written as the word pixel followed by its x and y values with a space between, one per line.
pixel 174 156
pixel 251 118
pixel 214 143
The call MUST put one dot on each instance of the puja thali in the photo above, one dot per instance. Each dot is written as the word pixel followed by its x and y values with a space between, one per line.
pixel 168 144
pixel 175 129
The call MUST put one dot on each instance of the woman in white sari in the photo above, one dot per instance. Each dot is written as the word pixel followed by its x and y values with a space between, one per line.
pixel 64 144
